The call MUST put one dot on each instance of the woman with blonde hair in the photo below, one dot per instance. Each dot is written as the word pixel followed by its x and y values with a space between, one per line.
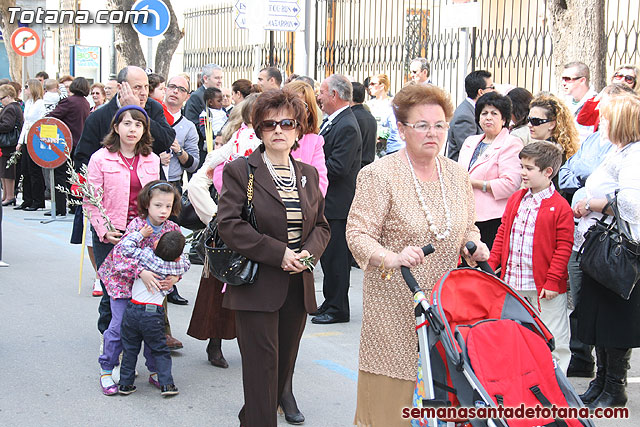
pixel 604 319
pixel 33 181
pixel 551 120
pixel 380 106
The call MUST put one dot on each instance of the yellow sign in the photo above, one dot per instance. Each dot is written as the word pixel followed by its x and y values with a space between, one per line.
pixel 49 131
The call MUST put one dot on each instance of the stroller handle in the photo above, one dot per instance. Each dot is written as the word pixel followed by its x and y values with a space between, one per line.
pixel 484 265
pixel 406 273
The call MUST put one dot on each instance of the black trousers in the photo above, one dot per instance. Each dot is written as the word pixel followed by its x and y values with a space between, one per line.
pixel 32 181
pixel 100 252
pixel 60 178
pixel 269 343
pixel 336 267
pixel 138 325
pixel 488 230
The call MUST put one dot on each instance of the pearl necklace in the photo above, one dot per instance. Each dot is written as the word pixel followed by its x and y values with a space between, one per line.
pixel 286 185
pixel 423 204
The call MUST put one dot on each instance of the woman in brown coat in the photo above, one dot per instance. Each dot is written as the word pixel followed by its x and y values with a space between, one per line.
pixel 271 313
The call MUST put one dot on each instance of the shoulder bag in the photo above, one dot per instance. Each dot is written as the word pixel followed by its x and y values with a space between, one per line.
pixel 188 217
pixel 10 139
pixel 610 255
pixel 223 263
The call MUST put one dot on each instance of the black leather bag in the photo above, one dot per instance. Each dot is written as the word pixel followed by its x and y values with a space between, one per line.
pixel 188 217
pixel 222 262
pixel 10 139
pixel 610 255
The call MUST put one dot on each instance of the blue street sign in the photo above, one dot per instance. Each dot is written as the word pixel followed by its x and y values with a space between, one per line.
pixel 157 21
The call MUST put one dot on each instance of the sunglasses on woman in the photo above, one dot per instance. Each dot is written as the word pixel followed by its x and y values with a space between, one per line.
pixel 627 79
pixel 285 124
pixel 535 121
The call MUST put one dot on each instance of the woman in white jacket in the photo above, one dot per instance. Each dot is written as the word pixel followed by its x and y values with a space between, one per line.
pixel 33 181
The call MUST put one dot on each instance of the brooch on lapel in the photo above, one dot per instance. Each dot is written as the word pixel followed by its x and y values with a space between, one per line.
pixel 303 181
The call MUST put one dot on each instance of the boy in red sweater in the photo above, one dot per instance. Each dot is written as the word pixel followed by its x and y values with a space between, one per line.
pixel 534 242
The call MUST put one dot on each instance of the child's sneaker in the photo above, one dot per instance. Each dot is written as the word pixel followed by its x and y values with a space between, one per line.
pixel 127 389
pixel 97 288
pixel 168 390
pixel 153 380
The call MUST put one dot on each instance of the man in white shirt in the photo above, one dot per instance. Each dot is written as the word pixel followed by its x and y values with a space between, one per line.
pixel 419 69
pixel 575 83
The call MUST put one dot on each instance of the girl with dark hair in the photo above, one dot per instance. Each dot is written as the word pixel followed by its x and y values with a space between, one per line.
pixel 120 169
pixel 520 99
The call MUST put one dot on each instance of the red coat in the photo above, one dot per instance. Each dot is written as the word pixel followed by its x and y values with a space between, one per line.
pixel 552 241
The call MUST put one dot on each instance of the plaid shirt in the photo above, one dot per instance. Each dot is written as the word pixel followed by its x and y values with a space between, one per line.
pixel 148 260
pixel 519 269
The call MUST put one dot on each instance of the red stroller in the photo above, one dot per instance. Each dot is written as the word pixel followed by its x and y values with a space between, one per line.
pixel 487 348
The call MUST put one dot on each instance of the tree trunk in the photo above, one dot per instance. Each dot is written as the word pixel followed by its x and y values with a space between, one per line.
pixel 168 45
pixel 15 60
pixel 578 34
pixel 127 40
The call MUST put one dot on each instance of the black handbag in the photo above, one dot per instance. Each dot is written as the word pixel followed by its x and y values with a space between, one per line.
pixel 188 217
pixel 223 263
pixel 10 139
pixel 610 255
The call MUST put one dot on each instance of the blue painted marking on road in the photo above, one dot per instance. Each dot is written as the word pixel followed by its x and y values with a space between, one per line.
pixel 333 366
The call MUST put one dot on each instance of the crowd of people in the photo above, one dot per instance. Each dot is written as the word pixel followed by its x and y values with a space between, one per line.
pixel 345 174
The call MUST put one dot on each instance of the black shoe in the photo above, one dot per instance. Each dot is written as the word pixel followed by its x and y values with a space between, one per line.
pixel 48 213
pixel 22 206
pixel 127 389
pixel 177 299
pixel 320 310
pixel 33 208
pixel 295 418
pixel 579 368
pixel 327 318
pixel 9 202
pixel 168 390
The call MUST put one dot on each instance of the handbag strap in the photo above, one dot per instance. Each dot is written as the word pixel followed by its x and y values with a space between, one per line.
pixel 623 226
pixel 250 182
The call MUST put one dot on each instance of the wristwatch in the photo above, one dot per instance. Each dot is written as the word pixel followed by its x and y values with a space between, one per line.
pixel 179 153
pixel 484 186
pixel 587 205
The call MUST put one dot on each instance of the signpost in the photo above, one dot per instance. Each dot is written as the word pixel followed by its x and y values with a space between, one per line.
pixel 157 21
pixel 282 15
pixel 25 42
pixel 48 142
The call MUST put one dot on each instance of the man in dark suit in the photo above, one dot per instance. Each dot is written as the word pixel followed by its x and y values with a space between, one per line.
pixel 366 122
pixel 463 124
pixel 133 89
pixel 211 77
pixel 343 154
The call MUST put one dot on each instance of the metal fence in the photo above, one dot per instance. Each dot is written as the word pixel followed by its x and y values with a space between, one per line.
pixel 211 37
pixel 361 38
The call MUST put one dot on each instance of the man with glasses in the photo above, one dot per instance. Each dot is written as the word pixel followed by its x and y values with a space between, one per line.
pixel 575 83
pixel 211 77
pixel 343 154
pixel 463 124
pixel 419 69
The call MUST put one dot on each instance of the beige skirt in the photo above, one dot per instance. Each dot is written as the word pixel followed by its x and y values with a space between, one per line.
pixel 381 400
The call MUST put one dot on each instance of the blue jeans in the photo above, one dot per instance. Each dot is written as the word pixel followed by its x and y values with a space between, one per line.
pixel 144 322
pixel 100 251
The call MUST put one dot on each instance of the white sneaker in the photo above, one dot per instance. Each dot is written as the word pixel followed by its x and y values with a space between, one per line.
pixel 3 264
pixel 97 288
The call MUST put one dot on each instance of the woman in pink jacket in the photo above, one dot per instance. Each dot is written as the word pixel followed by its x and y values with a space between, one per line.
pixel 493 163
pixel 119 169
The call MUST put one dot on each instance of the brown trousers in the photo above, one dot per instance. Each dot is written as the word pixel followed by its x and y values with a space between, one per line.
pixel 269 343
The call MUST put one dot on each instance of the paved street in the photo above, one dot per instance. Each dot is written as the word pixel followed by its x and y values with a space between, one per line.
pixel 49 347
